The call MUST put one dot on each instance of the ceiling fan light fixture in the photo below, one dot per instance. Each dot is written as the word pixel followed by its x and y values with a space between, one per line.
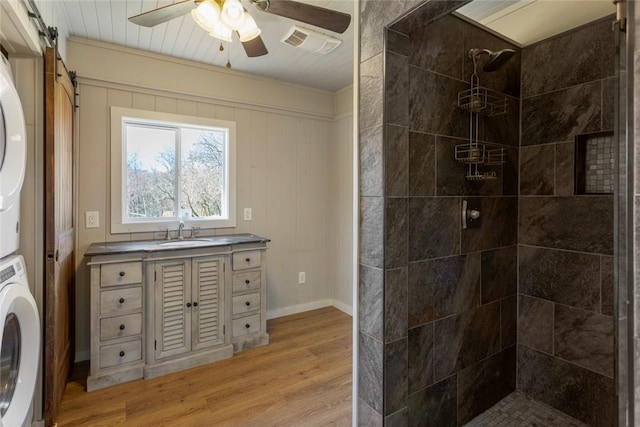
pixel 249 30
pixel 221 31
pixel 207 14
pixel 233 14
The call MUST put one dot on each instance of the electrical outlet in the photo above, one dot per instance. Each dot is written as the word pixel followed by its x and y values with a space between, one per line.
pixel 247 214
pixel 302 277
pixel 92 219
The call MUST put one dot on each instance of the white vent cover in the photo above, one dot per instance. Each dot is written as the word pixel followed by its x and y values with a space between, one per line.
pixel 310 40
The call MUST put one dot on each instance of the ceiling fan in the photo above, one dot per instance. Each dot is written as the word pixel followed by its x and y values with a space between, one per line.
pixel 223 17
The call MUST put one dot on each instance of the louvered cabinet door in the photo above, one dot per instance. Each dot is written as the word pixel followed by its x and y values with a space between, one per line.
pixel 173 308
pixel 208 292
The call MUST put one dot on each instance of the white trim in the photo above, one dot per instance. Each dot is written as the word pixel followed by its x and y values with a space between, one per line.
pixel 343 116
pixel 299 308
pixel 345 308
pixel 356 209
pixel 308 306
pixel 347 88
pixel 117 173
pixel 108 84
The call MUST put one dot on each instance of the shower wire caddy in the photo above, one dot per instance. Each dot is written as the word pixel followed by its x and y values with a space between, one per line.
pixel 480 101
pixel 483 101
pixel 484 153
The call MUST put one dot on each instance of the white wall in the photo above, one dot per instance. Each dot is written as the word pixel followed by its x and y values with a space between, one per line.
pixel 292 164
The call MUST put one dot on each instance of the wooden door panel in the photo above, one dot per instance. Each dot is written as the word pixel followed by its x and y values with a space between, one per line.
pixel 208 292
pixel 59 234
pixel 173 317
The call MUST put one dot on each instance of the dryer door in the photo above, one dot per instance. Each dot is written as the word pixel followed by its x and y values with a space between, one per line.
pixel 19 353
pixel 13 146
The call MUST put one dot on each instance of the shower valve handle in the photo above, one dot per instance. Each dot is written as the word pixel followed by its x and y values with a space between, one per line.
pixel 470 216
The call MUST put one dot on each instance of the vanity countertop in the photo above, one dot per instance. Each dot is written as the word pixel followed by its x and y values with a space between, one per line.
pixel 111 248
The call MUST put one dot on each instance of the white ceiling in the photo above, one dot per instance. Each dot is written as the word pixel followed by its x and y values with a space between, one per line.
pixel 106 21
pixel 523 21
pixel 528 21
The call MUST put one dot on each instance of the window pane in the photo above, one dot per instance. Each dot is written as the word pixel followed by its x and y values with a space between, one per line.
pixel 203 159
pixel 150 175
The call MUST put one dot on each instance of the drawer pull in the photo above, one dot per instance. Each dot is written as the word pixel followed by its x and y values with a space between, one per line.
pixel 121 300
pixel 188 304
pixel 248 303
pixel 247 259
pixel 247 281
pixel 247 326
pixel 122 327
pixel 195 304
pixel 121 274
pixel 121 353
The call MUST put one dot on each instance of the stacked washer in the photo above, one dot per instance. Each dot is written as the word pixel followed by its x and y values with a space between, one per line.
pixel 20 337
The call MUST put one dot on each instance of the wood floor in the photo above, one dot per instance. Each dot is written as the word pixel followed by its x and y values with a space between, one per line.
pixel 302 378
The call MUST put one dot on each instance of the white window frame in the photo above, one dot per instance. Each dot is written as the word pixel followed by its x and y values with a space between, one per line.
pixel 118 171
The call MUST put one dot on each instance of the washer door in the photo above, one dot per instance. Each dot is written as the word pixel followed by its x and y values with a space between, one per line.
pixel 19 353
pixel 13 146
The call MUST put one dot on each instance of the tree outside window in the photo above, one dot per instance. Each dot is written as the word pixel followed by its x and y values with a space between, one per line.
pixel 174 172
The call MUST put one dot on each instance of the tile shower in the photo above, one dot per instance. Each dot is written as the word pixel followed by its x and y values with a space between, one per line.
pixel 452 320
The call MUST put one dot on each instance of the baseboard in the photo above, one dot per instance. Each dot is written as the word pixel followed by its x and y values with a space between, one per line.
pixel 345 308
pixel 301 308
pixel 82 355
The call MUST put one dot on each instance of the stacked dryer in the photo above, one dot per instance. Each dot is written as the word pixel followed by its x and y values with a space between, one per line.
pixel 20 335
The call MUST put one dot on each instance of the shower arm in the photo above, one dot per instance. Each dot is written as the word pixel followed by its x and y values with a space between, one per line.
pixel 474 53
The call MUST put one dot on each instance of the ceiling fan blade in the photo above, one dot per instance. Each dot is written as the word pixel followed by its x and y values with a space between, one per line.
pixel 255 47
pixel 318 16
pixel 163 14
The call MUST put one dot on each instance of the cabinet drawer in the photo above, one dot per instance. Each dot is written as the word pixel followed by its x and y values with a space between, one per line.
pixel 246 325
pixel 246 303
pixel 246 281
pixel 119 354
pixel 247 259
pixel 120 274
pixel 120 300
pixel 120 326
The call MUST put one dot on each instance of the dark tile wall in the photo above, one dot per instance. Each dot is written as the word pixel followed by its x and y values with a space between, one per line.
pixel 565 320
pixel 438 345
pixel 456 355
pixel 384 171
pixel 581 393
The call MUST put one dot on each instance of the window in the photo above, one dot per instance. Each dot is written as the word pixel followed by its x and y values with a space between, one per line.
pixel 168 168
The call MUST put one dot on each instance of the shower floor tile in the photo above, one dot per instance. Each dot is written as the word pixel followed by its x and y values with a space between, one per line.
pixel 517 410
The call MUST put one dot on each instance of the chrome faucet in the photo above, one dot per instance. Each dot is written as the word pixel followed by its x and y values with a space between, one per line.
pixel 180 229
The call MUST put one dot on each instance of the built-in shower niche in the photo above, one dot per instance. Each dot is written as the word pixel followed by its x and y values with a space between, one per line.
pixel 594 163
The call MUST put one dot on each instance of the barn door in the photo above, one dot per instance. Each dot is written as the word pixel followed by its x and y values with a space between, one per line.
pixel 59 233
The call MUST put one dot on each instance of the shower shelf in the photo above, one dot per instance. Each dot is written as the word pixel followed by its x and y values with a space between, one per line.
pixel 481 176
pixel 482 101
pixel 480 154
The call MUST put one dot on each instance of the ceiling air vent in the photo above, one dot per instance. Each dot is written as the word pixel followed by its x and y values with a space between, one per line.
pixel 310 40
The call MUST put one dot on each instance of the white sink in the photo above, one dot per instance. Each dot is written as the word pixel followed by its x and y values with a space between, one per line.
pixel 184 243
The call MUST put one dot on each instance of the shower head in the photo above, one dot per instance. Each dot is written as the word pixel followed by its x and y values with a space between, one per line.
pixel 496 59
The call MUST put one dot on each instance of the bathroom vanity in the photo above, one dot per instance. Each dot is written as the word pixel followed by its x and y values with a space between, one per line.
pixel 163 306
